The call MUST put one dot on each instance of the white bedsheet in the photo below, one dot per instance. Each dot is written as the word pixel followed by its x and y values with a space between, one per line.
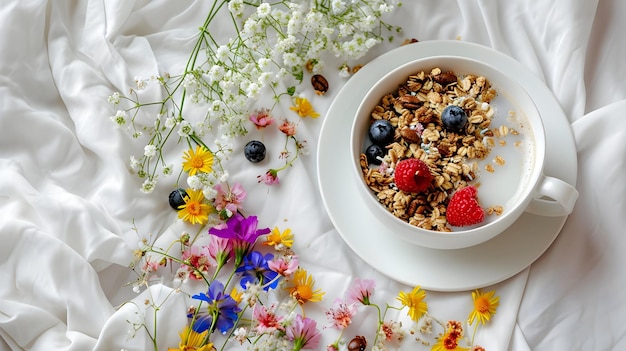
pixel 68 200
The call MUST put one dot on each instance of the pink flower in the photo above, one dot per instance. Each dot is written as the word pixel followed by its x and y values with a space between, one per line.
pixel 269 178
pixel 392 331
pixel 267 320
pixel 196 261
pixel 287 127
pixel 304 334
pixel 262 118
pixel 229 198
pixel 284 266
pixel 361 291
pixel 220 249
pixel 340 315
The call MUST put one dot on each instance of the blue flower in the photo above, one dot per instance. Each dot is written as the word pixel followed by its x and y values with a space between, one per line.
pixel 255 269
pixel 221 307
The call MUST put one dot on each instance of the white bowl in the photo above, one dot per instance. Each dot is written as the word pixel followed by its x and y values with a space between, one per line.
pixel 519 192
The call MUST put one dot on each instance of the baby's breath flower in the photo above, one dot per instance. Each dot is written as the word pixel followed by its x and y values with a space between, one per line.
pixel 149 150
pixel 120 118
pixel 114 98
pixel 140 83
pixel 185 129
pixel 149 184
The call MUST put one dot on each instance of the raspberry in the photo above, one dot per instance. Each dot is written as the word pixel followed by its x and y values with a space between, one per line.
pixel 412 175
pixel 464 209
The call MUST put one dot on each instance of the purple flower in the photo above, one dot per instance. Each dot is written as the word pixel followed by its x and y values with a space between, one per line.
pixel 221 311
pixel 240 228
pixel 304 334
pixel 242 232
pixel 255 269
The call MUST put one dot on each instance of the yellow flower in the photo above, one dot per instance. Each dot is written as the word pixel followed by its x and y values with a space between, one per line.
pixel 302 288
pixel 484 306
pixel 415 302
pixel 304 108
pixel 199 161
pixel 194 210
pixel 276 238
pixel 449 341
pixel 192 341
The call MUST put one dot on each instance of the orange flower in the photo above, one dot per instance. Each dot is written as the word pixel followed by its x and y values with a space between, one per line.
pixel 485 305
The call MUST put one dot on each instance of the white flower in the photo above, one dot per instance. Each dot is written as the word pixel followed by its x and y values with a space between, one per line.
pixel 170 122
pixel 222 53
pixel 119 118
pixel 149 150
pixel 338 6
pixel 185 129
pixel 135 165
pixel 253 90
pixel 236 7
pixel 263 10
pixel 195 182
pixel 114 98
pixel 148 185
pixel 216 72
pixel 290 59
pixel 140 83
pixel 224 177
pixel 209 192
pixel 167 170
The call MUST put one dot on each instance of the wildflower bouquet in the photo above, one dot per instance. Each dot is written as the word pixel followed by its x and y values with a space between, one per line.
pixel 244 284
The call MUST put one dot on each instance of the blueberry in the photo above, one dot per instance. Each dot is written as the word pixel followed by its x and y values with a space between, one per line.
pixel 381 132
pixel 254 151
pixel 177 198
pixel 454 118
pixel 373 152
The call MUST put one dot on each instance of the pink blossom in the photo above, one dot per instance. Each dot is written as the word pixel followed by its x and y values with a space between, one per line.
pixel 220 249
pixel 287 127
pixel 284 266
pixel 304 334
pixel 361 291
pixel 229 198
pixel 269 178
pixel 262 118
pixel 340 315
pixel 197 261
pixel 267 320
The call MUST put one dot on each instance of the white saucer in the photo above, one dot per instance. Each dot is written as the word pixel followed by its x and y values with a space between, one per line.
pixel 440 270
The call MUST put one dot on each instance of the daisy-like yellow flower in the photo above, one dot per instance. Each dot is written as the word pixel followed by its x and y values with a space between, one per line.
pixel 194 211
pixel 485 305
pixel 304 108
pixel 200 160
pixel 415 302
pixel 275 238
pixel 302 288
pixel 191 340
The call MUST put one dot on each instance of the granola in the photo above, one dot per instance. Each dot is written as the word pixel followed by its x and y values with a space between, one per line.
pixel 414 110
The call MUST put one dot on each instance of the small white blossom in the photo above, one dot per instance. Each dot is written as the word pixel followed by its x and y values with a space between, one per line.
pixel 114 98
pixel 194 182
pixel 222 53
pixel 148 185
pixel 140 83
pixel 120 118
pixel 170 122
pixel 209 193
pixel 149 150
pixel 167 170
pixel 236 7
pixel 185 129
pixel 135 165
pixel 263 10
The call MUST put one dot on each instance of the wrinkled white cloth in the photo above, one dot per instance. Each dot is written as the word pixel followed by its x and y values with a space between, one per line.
pixel 68 200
